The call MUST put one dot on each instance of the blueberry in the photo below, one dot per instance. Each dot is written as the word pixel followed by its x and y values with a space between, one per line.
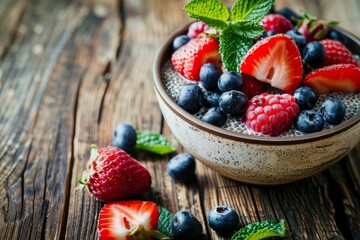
pixel 290 15
pixel 309 121
pixel 180 41
pixel 124 137
pixel 336 35
pixel 299 39
pixel 190 98
pixel 305 97
pixel 233 102
pixel 211 99
pixel 230 81
pixel 271 33
pixel 224 220
pixel 182 167
pixel 215 116
pixel 186 226
pixel 314 54
pixel 333 110
pixel 209 75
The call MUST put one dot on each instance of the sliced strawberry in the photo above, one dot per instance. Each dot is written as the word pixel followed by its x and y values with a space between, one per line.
pixel 188 59
pixel 275 60
pixel 127 220
pixel 334 78
pixel 336 53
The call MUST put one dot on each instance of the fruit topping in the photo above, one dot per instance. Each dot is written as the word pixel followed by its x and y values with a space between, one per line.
pixel 336 52
pixel 190 98
pixel 224 220
pixel 333 110
pixel 334 78
pixel 182 167
pixel 209 75
pixel 277 23
pixel 275 60
pixel 188 59
pixel 211 99
pixel 290 15
pixel 186 226
pixel 309 121
pixel 314 54
pixel 111 175
pixel 124 137
pixel 129 220
pixel 215 116
pixel 271 114
pixel 230 81
pixel 233 102
pixel 305 97
pixel 252 86
pixel 298 38
pixel 180 41
pixel 196 28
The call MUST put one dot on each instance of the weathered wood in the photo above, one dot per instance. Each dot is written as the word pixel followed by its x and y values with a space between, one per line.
pixel 71 70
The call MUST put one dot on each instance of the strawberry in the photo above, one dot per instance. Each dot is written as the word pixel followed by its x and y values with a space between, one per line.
pixel 188 59
pixel 275 60
pixel 196 28
pixel 252 86
pixel 334 78
pixel 129 220
pixel 336 52
pixel 277 23
pixel 111 175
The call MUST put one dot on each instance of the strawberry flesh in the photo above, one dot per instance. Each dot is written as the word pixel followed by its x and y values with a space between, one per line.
pixel 334 78
pixel 275 60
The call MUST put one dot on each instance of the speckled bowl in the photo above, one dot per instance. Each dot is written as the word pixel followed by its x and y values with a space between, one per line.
pixel 255 159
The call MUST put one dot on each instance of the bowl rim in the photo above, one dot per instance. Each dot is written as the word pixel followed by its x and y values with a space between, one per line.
pixel 163 54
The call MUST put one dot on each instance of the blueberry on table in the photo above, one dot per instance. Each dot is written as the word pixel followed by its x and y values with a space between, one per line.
pixel 309 121
pixel 314 54
pixel 209 75
pixel 305 97
pixel 190 98
pixel 333 110
pixel 124 137
pixel 215 116
pixel 182 167
pixel 211 99
pixel 299 39
pixel 186 226
pixel 233 102
pixel 230 81
pixel 224 220
pixel 180 41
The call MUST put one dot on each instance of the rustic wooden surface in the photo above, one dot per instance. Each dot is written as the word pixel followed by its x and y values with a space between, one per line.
pixel 71 70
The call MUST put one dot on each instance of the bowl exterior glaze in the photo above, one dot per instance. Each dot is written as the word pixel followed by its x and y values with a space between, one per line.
pixel 256 159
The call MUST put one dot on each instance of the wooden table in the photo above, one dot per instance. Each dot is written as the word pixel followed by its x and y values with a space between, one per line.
pixel 71 70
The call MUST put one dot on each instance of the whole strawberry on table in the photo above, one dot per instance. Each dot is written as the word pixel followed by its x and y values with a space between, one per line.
pixel 273 53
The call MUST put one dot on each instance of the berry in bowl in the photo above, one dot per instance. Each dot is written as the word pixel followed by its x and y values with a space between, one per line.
pixel 256 100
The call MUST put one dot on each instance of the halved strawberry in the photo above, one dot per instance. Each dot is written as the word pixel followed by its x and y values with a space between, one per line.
pixel 188 59
pixel 128 220
pixel 275 60
pixel 334 78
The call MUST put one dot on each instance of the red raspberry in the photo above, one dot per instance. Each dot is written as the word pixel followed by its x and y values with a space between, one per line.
pixel 277 23
pixel 196 28
pixel 337 53
pixel 271 114
pixel 252 86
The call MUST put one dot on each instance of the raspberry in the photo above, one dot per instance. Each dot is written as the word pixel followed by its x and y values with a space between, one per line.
pixel 271 114
pixel 336 53
pixel 277 23
pixel 196 28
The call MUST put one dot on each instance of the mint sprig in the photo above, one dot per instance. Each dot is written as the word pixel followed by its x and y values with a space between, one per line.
pixel 261 230
pixel 154 143
pixel 239 27
pixel 164 223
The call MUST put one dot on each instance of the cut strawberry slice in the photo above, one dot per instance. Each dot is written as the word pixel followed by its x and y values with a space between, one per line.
pixel 127 220
pixel 275 60
pixel 188 59
pixel 334 78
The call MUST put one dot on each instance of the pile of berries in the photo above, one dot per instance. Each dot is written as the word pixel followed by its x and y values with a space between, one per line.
pixel 278 81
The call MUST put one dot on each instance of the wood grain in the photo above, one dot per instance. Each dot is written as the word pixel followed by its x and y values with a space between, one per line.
pixel 71 70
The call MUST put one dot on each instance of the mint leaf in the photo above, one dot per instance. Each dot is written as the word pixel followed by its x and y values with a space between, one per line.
pixel 248 29
pixel 154 143
pixel 233 48
pixel 212 12
pixel 254 10
pixel 164 223
pixel 260 230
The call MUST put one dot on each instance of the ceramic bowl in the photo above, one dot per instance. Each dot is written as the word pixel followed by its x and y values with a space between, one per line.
pixel 255 159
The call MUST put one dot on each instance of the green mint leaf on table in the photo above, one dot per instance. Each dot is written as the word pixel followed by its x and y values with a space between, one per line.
pixel 238 28
pixel 154 143
pixel 164 224
pixel 212 12
pixel 261 230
